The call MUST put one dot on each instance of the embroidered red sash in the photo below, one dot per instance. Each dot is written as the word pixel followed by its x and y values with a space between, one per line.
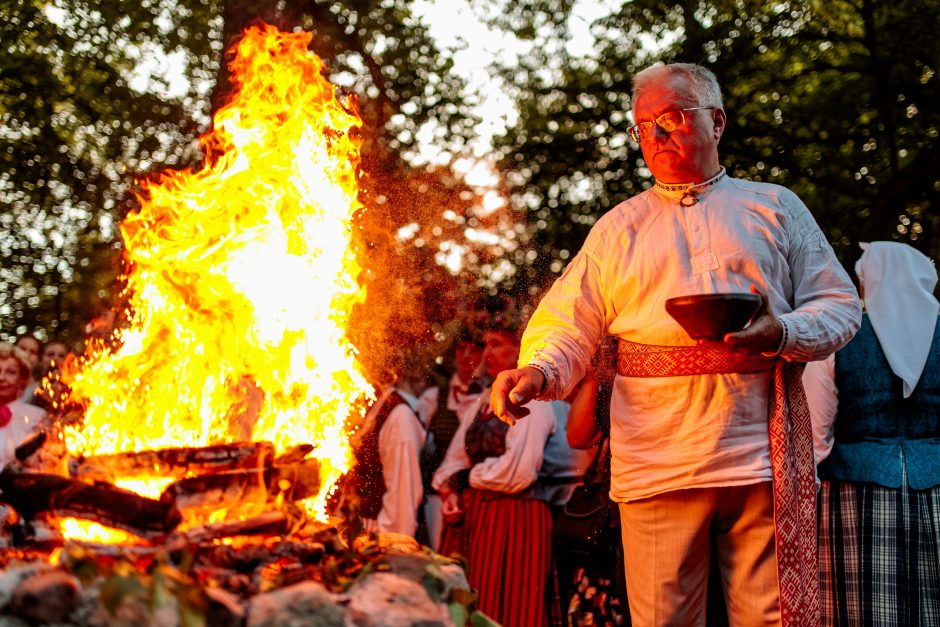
pixel 791 458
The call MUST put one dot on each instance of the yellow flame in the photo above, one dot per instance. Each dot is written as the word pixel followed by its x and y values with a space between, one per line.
pixel 242 280
pixel 87 531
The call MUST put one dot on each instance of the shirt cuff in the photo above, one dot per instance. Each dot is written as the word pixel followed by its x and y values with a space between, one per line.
pixel 549 374
pixel 784 340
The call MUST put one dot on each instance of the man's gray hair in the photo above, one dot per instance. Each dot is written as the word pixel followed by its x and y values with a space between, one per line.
pixel 705 86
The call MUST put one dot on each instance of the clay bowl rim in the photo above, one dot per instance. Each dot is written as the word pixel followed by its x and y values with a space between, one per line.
pixel 688 302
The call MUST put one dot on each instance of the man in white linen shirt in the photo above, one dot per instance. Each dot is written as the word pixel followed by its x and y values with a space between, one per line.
pixel 692 451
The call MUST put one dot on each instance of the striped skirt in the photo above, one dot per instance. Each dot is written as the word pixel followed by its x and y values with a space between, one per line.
pixel 879 555
pixel 507 543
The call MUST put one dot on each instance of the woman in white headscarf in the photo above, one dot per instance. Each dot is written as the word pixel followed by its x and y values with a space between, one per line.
pixel 876 417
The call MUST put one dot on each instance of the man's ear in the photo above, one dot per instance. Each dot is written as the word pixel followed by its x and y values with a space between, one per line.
pixel 720 120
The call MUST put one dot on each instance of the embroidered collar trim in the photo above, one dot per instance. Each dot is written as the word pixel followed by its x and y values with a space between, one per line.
pixel 689 187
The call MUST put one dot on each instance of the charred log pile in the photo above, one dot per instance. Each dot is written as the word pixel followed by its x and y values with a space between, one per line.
pixel 270 567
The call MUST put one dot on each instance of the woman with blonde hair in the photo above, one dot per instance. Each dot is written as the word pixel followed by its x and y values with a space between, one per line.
pixel 17 418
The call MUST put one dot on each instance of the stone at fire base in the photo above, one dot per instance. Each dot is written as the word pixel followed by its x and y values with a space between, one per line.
pixel 394 598
pixel 46 597
pixel 299 605
pixel 388 600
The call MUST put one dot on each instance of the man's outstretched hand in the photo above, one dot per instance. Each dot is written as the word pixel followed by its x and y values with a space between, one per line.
pixel 512 389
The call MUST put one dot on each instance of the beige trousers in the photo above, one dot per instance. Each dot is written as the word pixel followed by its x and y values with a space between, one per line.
pixel 667 542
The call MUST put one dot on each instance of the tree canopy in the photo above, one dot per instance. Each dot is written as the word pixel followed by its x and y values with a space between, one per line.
pixel 83 116
pixel 833 99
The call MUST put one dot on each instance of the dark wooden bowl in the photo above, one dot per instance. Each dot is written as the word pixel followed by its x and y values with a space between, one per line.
pixel 710 316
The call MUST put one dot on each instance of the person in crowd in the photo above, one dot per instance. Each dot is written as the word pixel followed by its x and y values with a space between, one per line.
pixel 711 441
pixel 440 408
pixel 875 406
pixel 593 588
pixel 32 348
pixel 54 354
pixel 491 512
pixel 387 474
pixel 563 466
pixel 17 418
pixel 48 395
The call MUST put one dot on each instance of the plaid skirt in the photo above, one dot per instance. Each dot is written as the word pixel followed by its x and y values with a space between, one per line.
pixel 879 555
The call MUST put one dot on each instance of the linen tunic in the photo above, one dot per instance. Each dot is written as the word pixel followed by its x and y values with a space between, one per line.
pixel 400 440
pixel 670 433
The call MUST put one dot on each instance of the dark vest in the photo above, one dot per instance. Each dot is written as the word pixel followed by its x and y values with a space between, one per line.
pixel 441 431
pixel 875 425
pixel 370 484
pixel 485 438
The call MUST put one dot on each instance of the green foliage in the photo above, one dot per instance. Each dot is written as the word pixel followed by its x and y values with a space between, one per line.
pixel 148 584
pixel 77 118
pixel 78 126
pixel 832 99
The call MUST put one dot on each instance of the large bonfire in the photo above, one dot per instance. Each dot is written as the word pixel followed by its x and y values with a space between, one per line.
pixel 241 282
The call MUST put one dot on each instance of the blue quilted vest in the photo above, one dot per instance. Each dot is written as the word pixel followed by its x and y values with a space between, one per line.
pixel 876 426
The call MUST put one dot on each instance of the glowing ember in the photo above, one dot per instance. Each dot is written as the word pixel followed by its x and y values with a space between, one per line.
pixel 242 280
pixel 93 532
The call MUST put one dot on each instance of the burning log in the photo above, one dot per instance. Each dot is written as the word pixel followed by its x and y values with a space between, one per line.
pixel 30 445
pixel 175 462
pixel 268 524
pixel 294 455
pixel 35 493
pixel 295 482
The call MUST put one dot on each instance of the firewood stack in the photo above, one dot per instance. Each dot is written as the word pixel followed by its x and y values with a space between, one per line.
pixel 204 480
pixel 271 567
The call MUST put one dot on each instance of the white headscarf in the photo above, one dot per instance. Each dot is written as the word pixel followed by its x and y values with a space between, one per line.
pixel 898 283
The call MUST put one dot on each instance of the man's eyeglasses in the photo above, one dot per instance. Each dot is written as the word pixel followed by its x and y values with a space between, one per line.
pixel 668 121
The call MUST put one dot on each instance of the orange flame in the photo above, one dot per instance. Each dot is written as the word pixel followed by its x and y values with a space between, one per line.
pixel 242 280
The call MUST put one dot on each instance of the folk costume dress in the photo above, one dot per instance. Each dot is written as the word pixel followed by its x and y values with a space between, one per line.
pixel 675 429
pixel 505 534
pixel 875 406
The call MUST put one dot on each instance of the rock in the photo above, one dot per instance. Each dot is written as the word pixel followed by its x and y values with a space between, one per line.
pixel 48 597
pixel 225 609
pixel 301 605
pixel 387 541
pixel 454 578
pixel 11 578
pixel 419 566
pixel 388 600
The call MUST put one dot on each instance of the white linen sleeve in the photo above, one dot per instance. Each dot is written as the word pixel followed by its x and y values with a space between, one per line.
pixel 822 396
pixel 826 309
pixel 567 326
pixel 400 442
pixel 517 468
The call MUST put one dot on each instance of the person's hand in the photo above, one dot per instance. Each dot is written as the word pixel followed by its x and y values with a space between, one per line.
pixel 512 389
pixel 763 335
pixel 450 508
